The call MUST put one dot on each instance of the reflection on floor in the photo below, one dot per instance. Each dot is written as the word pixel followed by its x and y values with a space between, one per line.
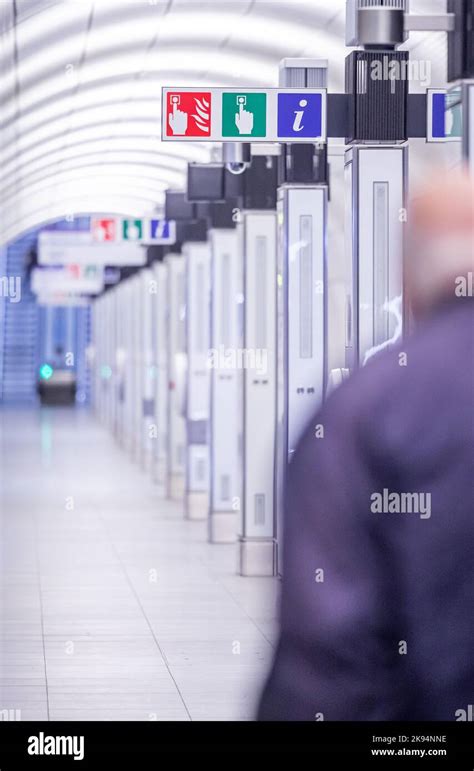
pixel 113 607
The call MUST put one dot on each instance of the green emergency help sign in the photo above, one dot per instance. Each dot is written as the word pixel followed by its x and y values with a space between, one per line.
pixel 132 230
pixel 244 114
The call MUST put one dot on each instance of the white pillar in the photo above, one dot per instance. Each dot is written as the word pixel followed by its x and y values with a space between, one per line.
pixel 302 321
pixel 147 371
pixel 257 530
pixel 226 384
pixel 161 385
pixel 176 352
pixel 376 180
pixel 198 266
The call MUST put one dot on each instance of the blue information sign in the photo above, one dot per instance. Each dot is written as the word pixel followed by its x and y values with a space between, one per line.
pixel 162 231
pixel 300 115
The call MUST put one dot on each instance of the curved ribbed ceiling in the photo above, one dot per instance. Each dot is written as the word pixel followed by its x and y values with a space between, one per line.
pixel 80 91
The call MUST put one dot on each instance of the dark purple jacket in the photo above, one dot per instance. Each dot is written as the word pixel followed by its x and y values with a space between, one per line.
pixel 388 633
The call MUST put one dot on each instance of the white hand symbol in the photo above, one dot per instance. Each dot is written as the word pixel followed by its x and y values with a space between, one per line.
pixel 244 120
pixel 178 120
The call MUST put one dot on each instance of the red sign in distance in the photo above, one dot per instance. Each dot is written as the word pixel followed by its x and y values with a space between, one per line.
pixel 104 230
pixel 188 114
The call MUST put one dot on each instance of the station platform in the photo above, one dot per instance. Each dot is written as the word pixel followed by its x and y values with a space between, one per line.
pixel 113 606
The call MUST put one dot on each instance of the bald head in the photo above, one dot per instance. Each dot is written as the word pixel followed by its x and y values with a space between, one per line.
pixel 440 239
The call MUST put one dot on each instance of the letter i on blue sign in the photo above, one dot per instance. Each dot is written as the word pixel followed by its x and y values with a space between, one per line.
pixel 300 115
pixel 160 229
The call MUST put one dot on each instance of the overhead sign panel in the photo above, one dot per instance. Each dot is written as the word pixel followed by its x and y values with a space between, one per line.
pixel 110 241
pixel 142 231
pixel 71 248
pixel 247 114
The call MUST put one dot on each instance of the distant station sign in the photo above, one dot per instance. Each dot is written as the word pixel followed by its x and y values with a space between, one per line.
pixel 223 114
pixel 110 241
pixel 79 248
pixel 142 231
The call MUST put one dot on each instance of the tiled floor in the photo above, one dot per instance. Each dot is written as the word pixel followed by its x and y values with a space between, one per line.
pixel 113 607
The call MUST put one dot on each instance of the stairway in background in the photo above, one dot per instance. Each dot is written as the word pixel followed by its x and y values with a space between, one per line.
pixel 18 329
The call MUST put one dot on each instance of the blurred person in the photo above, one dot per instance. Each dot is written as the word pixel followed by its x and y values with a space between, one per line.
pixel 378 564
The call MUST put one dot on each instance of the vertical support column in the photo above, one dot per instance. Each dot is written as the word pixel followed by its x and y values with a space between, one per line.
pixel 100 332
pixel 468 123
pixel 160 323
pixel 121 363
pixel 302 321
pixel 95 357
pixel 105 364
pixel 302 284
pixel 113 358
pixel 226 385
pixel 376 179
pixel 257 532
pixel 176 351
pixel 130 364
pixel 138 349
pixel 106 383
pixel 376 174
pixel 147 371
pixel 198 266
pixel 305 234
